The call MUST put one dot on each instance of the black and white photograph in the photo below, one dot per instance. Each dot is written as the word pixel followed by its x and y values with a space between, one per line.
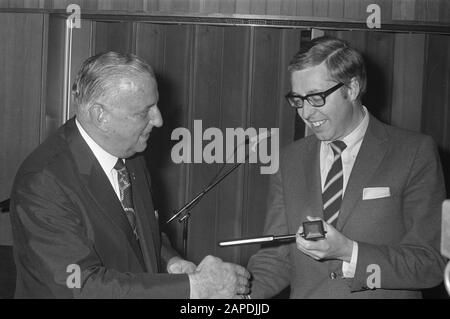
pixel 249 151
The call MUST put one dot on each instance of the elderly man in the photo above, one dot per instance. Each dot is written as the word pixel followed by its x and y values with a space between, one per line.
pixel 377 189
pixel 81 201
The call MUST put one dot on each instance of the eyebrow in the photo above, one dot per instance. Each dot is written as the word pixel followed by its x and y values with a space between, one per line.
pixel 147 107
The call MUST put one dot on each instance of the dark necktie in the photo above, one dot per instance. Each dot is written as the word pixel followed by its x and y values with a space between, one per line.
pixel 126 196
pixel 334 185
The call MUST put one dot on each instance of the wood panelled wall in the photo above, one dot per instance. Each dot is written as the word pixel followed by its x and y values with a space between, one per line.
pixel 22 69
pixel 435 116
pixel 355 10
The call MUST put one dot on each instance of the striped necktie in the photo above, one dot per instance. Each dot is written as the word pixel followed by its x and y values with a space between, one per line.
pixel 334 185
pixel 126 196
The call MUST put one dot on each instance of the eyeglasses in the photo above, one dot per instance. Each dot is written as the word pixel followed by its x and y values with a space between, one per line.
pixel 314 99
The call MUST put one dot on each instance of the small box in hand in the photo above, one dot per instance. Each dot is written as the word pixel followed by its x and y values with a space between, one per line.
pixel 313 230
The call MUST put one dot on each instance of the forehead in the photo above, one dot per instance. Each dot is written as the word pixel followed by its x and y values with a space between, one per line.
pixel 310 80
pixel 134 83
pixel 135 86
pixel 133 93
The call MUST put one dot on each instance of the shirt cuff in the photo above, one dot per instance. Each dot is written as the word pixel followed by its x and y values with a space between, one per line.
pixel 349 269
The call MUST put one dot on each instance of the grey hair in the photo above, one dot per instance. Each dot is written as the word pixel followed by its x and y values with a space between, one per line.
pixel 98 72
pixel 342 61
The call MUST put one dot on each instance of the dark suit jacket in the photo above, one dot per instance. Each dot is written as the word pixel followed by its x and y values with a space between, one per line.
pixel 399 233
pixel 64 211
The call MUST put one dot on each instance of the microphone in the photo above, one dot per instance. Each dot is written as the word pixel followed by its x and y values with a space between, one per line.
pixel 445 240
pixel 258 139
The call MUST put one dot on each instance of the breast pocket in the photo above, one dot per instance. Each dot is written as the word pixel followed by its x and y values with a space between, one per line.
pixel 378 220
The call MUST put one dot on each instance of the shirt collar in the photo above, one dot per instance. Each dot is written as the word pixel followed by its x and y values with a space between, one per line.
pixel 106 160
pixel 358 133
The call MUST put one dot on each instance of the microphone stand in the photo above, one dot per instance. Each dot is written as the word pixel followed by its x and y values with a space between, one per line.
pixel 187 208
pixel 216 180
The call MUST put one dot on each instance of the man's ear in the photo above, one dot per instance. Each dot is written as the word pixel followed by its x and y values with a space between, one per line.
pixel 353 89
pixel 98 116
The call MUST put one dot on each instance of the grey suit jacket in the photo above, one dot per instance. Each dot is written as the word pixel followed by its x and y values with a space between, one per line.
pixel 64 211
pixel 399 234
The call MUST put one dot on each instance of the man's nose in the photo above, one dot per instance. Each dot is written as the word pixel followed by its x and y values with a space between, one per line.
pixel 306 111
pixel 155 116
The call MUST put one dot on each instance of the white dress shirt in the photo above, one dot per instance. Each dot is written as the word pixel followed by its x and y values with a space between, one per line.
pixel 348 156
pixel 106 160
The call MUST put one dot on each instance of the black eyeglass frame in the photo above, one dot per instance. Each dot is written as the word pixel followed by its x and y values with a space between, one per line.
pixel 323 95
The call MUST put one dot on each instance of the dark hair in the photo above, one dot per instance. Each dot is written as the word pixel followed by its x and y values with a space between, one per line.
pixel 342 61
pixel 98 72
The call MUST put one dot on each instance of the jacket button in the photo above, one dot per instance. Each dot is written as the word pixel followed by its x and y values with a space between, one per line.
pixel 333 275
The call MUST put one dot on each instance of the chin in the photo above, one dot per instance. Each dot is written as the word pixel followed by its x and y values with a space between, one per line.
pixel 321 136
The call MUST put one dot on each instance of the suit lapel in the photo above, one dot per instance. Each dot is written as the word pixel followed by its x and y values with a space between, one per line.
pixel 98 185
pixel 370 155
pixel 146 222
pixel 303 181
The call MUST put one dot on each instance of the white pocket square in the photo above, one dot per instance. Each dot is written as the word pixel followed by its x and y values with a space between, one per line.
pixel 376 192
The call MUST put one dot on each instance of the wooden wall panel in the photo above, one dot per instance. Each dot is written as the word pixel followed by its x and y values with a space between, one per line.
pixel 291 41
pixel 83 49
pixel 305 8
pixel 403 10
pixel 436 97
pixel 379 62
pixel 21 52
pixel 168 49
pixel 227 6
pixel 351 10
pixel 221 67
pixel 242 6
pixel 288 7
pixel 206 95
pixel 233 113
pixel 55 76
pixel 113 36
pixel 265 92
pixel 408 80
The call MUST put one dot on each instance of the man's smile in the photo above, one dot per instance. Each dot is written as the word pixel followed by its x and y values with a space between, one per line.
pixel 317 124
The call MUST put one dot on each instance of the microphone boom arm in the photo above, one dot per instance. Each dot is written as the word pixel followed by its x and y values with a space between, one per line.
pixel 199 196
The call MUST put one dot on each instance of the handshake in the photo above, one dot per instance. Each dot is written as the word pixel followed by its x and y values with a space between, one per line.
pixel 212 278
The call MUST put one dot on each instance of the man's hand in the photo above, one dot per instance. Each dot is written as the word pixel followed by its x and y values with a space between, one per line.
pixel 333 246
pixel 177 265
pixel 214 278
